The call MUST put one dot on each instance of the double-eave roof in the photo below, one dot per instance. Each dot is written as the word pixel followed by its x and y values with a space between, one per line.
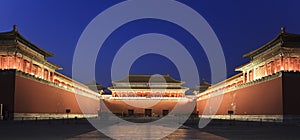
pixel 16 36
pixel 147 79
pixel 285 39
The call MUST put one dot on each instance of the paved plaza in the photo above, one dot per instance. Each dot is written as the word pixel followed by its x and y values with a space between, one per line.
pixel 81 130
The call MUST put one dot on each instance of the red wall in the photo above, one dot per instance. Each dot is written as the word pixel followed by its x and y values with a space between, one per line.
pixel 118 106
pixel 259 99
pixel 35 97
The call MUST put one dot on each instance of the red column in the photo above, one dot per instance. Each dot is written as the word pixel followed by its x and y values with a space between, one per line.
pixel 281 63
pixel 7 62
pixel 45 74
pixel 31 65
pixel 296 64
pixel 49 78
pixel 272 67
pixel 245 77
pixel 265 70
pixel 2 62
pixel 52 77
pixel 275 64
pixel 252 75
pixel 286 64
pixel 20 64
pixel 292 64
pixel 289 63
pixel 14 62
pixel 248 76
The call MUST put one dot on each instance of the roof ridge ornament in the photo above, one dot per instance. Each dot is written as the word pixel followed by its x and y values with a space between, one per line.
pixel 283 30
pixel 15 28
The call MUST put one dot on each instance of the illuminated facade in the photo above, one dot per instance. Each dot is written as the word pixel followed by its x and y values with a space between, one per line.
pixel 266 89
pixel 31 87
pixel 146 95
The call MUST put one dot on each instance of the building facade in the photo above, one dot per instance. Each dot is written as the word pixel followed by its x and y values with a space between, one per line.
pixel 31 87
pixel 146 95
pixel 266 87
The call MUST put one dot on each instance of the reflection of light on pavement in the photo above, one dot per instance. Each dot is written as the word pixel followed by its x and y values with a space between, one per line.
pixel 119 131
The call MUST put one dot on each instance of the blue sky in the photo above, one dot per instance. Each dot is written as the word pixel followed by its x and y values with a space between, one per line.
pixel 241 26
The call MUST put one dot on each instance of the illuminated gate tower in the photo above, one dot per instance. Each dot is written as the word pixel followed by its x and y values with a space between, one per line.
pixel 18 53
pixel 267 87
pixel 30 86
pixel 146 95
pixel 280 54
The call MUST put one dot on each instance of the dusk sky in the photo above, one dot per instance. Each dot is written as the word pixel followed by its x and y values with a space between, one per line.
pixel 241 26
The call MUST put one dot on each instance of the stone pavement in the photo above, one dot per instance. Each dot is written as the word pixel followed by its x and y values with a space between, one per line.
pixel 183 133
pixel 81 129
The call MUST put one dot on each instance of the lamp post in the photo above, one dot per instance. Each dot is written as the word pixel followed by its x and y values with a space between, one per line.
pixel 68 111
pixel 230 112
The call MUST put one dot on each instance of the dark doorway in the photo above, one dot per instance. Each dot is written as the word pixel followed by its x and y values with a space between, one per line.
pixel 165 112
pixel 130 112
pixel 148 112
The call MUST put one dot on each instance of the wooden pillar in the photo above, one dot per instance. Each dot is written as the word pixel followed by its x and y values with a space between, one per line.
pixel 15 65
pixel 272 70
pixel 7 62
pixel 281 64
pixel 52 76
pixel 275 65
pixel 24 66
pixel 48 77
pixel 249 75
pixel 247 80
pixel 31 65
pixel 2 62
pixel 244 77
pixel 289 64
pixel 21 64
pixel 265 70
pixel 293 64
pixel 296 63
pixel 12 63
pixel 254 74
pixel 42 72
